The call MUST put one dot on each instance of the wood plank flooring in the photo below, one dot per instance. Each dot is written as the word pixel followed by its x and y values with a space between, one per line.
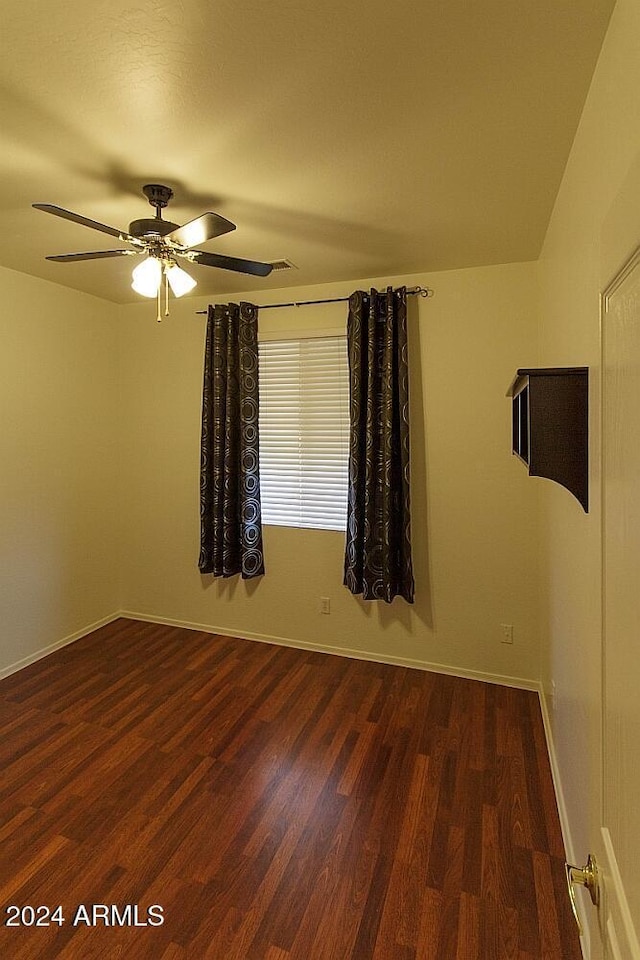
pixel 277 804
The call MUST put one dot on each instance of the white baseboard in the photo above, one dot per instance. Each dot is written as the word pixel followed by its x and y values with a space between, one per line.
pixel 555 773
pixel 356 654
pixel 565 826
pixel 353 654
pixel 45 651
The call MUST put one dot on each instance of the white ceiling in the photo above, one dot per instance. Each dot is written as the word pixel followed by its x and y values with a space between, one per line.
pixel 357 138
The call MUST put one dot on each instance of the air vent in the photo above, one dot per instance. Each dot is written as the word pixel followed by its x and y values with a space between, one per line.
pixel 283 265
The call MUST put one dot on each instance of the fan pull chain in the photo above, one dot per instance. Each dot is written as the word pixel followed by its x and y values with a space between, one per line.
pixel 159 318
pixel 166 295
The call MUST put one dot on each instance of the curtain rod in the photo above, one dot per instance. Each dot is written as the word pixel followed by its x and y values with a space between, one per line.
pixel 417 291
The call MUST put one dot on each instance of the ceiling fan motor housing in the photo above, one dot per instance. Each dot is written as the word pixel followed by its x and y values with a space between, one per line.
pixel 151 227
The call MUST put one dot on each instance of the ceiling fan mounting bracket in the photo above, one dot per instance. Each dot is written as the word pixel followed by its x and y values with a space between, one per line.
pixel 157 194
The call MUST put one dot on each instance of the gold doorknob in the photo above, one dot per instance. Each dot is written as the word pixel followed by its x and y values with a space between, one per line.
pixel 586 876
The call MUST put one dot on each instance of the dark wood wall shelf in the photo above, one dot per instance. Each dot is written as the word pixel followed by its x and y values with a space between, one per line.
pixel 551 425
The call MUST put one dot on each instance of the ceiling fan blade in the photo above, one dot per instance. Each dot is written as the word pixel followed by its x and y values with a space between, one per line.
pixel 231 263
pixel 203 228
pixel 92 255
pixel 77 218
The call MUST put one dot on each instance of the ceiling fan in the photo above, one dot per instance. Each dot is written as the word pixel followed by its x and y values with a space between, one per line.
pixel 162 242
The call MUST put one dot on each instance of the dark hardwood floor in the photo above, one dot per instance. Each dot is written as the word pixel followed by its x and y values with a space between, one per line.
pixel 277 804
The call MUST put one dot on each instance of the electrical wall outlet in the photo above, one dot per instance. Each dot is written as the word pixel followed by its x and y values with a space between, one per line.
pixel 507 632
pixel 325 605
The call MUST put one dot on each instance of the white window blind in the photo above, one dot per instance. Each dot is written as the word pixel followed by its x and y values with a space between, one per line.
pixel 304 432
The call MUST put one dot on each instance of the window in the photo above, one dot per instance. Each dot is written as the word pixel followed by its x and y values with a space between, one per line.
pixel 304 432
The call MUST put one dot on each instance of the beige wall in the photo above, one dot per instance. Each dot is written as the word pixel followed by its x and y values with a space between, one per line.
pixel 474 509
pixel 594 228
pixel 57 506
pixel 96 396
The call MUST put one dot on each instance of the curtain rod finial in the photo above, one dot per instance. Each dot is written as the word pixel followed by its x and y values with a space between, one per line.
pixel 422 291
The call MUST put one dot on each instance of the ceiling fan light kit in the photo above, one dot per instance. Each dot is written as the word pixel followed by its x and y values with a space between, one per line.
pixel 146 280
pixel 161 241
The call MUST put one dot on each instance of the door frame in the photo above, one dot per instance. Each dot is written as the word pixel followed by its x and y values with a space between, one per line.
pixel 617 932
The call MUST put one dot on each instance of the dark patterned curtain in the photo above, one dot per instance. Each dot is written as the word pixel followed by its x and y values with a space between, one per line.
pixel 231 528
pixel 378 545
